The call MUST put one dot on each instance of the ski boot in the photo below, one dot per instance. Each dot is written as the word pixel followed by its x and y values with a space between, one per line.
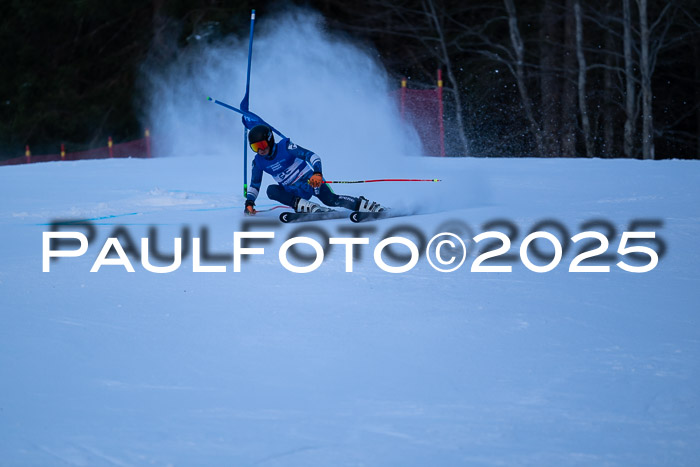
pixel 365 205
pixel 303 205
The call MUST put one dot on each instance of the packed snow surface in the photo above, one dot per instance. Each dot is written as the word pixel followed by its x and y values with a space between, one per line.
pixel 270 367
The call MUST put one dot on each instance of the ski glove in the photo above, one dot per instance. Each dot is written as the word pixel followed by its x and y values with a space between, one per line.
pixel 250 208
pixel 316 180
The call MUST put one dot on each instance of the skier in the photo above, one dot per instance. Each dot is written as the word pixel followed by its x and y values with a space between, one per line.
pixel 298 174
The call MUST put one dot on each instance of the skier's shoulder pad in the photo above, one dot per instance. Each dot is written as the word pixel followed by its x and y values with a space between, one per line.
pixel 287 143
pixel 295 149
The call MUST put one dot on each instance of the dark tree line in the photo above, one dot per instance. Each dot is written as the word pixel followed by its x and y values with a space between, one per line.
pixel 612 78
pixel 70 69
pixel 67 72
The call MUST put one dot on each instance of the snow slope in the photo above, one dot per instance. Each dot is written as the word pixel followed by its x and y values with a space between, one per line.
pixel 268 367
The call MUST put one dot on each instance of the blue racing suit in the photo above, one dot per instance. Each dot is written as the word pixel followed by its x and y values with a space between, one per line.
pixel 291 166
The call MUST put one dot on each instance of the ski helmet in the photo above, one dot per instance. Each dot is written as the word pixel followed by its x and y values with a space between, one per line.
pixel 261 134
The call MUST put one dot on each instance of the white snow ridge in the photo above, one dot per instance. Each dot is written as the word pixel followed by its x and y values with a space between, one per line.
pixel 270 367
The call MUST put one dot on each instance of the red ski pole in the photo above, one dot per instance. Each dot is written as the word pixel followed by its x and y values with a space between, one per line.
pixel 385 180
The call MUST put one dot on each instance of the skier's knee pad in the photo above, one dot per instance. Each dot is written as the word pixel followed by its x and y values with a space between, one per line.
pixel 275 191
pixel 278 193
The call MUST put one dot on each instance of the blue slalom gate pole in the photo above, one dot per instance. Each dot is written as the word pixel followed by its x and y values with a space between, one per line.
pixel 244 102
pixel 245 105
pixel 250 115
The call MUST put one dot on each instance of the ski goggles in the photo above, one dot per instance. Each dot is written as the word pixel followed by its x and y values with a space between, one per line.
pixel 259 146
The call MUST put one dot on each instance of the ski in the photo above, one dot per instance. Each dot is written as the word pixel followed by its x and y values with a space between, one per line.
pixel 358 216
pixel 289 217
